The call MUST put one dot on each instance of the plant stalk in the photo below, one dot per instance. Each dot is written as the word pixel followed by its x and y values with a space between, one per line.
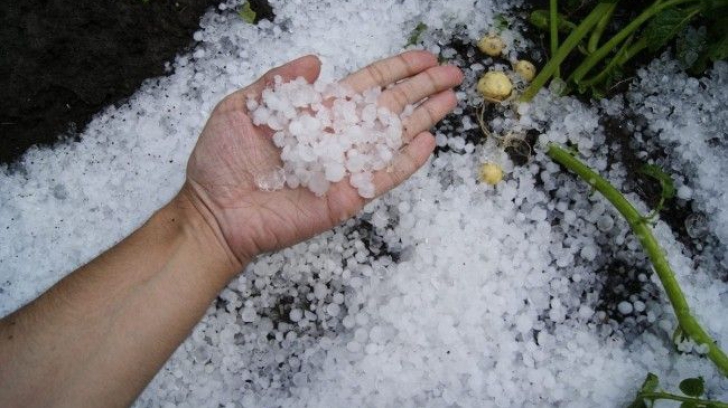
pixel 599 29
pixel 643 232
pixel 652 396
pixel 627 52
pixel 554 34
pixel 610 45
pixel 568 45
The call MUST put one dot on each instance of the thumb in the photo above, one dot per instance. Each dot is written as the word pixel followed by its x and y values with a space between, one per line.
pixel 308 67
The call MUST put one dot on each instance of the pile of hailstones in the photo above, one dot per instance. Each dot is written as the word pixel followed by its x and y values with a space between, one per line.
pixel 326 132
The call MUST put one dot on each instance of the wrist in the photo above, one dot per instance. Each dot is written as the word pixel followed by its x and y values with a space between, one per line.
pixel 195 221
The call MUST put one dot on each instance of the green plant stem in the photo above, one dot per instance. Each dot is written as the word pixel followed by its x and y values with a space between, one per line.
pixel 554 27
pixel 599 29
pixel 643 232
pixel 566 47
pixel 627 52
pixel 610 45
pixel 652 396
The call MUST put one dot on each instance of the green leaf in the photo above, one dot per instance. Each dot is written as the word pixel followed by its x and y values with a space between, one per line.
pixel 247 13
pixel 650 384
pixel 708 6
pixel 539 19
pixel 501 22
pixel 414 37
pixel 693 387
pixel 655 172
pixel 572 6
pixel 689 404
pixel 665 25
pixel 718 49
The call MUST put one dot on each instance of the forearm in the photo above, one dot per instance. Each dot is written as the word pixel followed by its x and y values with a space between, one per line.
pixel 99 335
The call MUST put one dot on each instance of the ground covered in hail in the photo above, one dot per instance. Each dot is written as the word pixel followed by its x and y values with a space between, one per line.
pixel 446 291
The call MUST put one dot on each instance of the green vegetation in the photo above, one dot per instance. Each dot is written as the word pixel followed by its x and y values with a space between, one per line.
pixel 598 51
pixel 692 389
pixel 415 35
pixel 554 31
pixel 654 27
pixel 689 326
pixel 247 13
pixel 668 187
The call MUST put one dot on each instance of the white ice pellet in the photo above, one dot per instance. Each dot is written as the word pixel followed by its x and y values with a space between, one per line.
pixel 380 219
pixel 441 140
pixel 625 307
pixel 589 252
pixel 295 315
pixel 605 223
pixel 348 322
pixel 333 309
pixel 248 315
pixel 334 171
pixel 684 192
pixel 320 290
pixel 353 346
pixel 362 319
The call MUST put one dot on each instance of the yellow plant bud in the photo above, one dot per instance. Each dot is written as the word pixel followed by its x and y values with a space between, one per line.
pixel 525 69
pixel 491 173
pixel 495 86
pixel 492 45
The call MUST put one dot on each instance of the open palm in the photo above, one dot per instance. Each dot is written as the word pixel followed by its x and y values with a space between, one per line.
pixel 232 153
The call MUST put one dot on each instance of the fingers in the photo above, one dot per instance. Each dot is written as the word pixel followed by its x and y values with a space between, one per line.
pixel 390 70
pixel 428 114
pixel 409 160
pixel 427 83
pixel 308 66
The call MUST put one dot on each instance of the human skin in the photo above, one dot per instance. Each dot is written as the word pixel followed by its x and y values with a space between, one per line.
pixel 98 336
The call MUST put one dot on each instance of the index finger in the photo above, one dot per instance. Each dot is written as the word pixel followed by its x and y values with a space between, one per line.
pixel 390 70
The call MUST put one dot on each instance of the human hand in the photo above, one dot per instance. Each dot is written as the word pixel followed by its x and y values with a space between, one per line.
pixel 231 152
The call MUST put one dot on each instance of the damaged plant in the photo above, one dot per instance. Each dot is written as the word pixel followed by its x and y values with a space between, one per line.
pixel 688 326
pixel 649 31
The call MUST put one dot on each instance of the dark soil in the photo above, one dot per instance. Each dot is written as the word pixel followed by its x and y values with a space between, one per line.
pixel 61 61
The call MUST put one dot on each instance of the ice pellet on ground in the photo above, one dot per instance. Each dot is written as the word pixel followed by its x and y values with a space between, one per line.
pixel 625 307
